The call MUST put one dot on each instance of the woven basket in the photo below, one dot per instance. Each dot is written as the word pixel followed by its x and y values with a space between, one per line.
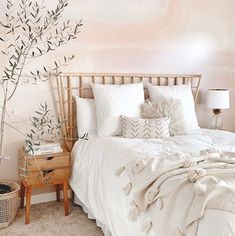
pixel 8 204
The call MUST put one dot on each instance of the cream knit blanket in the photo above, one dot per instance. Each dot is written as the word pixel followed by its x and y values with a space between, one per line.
pixel 176 193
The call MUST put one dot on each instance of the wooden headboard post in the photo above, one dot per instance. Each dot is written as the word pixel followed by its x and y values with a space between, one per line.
pixel 69 85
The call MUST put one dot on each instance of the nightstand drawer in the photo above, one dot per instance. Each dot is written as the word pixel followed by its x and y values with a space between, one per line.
pixel 50 176
pixel 49 162
pixel 40 171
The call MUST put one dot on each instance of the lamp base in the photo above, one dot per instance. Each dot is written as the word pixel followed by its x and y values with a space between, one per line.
pixel 216 111
pixel 216 119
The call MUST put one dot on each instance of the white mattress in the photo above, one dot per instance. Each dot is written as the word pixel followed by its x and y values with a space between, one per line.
pixel 99 190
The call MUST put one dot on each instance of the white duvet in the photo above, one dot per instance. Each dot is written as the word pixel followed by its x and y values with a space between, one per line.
pixel 100 191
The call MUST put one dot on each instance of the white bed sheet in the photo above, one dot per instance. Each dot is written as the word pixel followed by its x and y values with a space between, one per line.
pixel 99 190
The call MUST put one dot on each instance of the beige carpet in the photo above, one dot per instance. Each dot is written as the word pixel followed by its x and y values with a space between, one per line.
pixel 48 219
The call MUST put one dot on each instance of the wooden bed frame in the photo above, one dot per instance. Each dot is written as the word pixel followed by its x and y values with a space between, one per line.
pixel 69 85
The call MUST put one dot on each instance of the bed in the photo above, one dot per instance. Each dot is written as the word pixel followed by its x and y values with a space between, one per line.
pixel 94 181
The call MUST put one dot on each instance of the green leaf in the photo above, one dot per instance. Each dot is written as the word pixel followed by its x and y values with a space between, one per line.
pixel 39 50
pixel 5 26
pixel 33 131
pixel 28 163
pixel 28 142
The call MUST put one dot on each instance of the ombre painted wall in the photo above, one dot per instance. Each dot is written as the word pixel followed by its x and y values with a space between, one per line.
pixel 158 36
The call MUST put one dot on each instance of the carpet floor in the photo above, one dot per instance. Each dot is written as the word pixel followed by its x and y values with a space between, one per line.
pixel 47 219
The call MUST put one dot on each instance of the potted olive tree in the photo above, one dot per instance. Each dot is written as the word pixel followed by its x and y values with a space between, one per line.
pixel 29 31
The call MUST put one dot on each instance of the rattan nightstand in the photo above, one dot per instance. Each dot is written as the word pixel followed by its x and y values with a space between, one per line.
pixel 39 171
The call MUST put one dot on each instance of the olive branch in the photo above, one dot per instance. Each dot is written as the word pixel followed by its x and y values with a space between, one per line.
pixel 30 31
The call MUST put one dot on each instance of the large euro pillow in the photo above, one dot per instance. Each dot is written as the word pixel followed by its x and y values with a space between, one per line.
pixel 112 101
pixel 86 116
pixel 183 93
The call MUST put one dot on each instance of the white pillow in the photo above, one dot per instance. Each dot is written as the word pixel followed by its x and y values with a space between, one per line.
pixel 181 92
pixel 112 101
pixel 86 116
pixel 146 128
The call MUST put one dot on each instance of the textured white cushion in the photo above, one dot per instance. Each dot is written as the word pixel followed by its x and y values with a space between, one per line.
pixel 146 128
pixel 182 93
pixel 112 101
pixel 166 107
pixel 86 116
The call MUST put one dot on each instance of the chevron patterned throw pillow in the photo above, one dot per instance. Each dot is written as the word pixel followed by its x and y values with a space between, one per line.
pixel 145 128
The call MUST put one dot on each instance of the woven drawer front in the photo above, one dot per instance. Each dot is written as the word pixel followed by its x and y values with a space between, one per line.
pixel 49 162
pixel 49 176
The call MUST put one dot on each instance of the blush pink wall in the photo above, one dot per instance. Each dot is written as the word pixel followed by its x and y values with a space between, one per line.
pixel 158 36
pixel 163 36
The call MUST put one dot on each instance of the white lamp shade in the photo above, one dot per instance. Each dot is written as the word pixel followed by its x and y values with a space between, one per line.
pixel 218 99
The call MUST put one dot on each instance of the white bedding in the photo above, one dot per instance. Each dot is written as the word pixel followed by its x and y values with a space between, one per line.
pixel 95 184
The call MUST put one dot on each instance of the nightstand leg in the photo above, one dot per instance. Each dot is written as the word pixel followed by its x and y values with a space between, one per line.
pixel 22 193
pixel 65 191
pixel 57 187
pixel 73 197
pixel 28 202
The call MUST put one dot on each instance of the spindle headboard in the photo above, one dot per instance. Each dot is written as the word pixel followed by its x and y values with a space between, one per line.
pixel 69 85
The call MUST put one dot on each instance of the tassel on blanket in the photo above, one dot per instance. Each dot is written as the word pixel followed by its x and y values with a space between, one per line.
pixel 200 189
pixel 159 203
pixel 147 227
pixel 134 212
pixel 151 195
pixel 189 163
pixel 139 166
pixel 119 171
pixel 195 174
pixel 127 188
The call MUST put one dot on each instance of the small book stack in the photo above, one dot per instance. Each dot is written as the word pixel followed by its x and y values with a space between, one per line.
pixel 46 148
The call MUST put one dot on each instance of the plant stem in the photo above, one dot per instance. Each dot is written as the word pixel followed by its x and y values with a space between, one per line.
pixel 21 69
pixel 3 117
pixel 6 123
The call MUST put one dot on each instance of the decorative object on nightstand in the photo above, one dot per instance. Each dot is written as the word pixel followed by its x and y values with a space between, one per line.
pixel 45 148
pixel 43 170
pixel 217 99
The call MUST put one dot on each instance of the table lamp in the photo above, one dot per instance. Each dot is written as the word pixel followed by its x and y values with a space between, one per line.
pixel 217 99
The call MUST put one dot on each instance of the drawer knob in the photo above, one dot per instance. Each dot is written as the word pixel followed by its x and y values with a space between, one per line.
pixel 46 172
pixel 49 158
